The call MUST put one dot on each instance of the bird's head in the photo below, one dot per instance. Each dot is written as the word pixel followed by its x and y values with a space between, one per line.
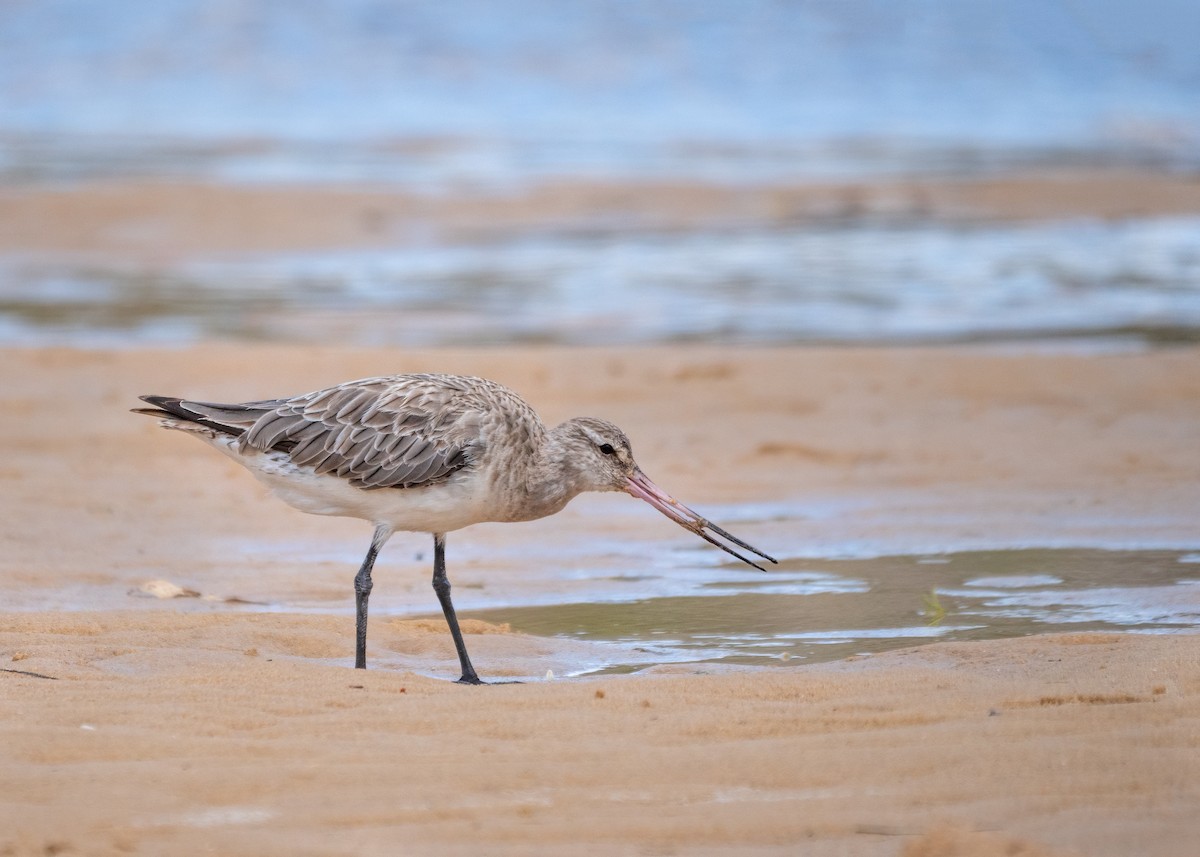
pixel 599 452
pixel 602 459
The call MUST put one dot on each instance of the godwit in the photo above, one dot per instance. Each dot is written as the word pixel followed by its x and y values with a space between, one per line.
pixel 427 454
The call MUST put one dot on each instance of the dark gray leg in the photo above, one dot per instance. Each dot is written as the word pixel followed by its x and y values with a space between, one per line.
pixel 362 592
pixel 441 585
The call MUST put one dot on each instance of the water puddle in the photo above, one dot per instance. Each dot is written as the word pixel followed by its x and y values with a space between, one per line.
pixel 621 611
pixel 827 610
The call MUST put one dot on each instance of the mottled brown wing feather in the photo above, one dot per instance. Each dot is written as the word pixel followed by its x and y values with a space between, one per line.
pixel 392 432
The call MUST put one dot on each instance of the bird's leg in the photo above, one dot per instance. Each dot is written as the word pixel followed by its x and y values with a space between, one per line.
pixel 362 592
pixel 441 585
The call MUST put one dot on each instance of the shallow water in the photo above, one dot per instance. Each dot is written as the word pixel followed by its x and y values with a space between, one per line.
pixel 810 611
pixel 625 606
pixel 680 610
pixel 1134 281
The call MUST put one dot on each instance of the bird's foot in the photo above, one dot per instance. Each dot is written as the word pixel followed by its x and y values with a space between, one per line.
pixel 476 680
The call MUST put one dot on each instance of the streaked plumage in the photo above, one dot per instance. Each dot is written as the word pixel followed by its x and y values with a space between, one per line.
pixel 423 453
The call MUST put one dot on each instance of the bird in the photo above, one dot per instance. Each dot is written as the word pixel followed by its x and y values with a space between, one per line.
pixel 425 453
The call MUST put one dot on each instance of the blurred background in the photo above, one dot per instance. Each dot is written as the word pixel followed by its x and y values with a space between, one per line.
pixel 600 171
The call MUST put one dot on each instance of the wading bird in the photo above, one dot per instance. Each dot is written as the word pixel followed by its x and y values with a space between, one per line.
pixel 429 454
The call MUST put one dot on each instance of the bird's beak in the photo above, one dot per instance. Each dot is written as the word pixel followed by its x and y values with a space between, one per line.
pixel 640 486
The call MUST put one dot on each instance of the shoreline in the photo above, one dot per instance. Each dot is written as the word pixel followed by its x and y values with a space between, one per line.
pixel 165 222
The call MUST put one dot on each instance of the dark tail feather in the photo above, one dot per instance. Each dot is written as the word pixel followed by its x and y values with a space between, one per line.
pixel 175 408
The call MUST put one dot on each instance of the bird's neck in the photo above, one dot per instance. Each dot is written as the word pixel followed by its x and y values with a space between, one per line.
pixel 551 480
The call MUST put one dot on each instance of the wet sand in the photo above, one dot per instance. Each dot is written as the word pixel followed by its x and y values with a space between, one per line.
pixel 163 733
pixel 139 725
pixel 148 223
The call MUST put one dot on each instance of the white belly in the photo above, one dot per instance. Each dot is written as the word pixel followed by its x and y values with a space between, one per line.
pixel 440 508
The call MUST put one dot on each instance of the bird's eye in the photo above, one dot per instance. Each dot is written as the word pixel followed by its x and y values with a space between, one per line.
pixel 607 449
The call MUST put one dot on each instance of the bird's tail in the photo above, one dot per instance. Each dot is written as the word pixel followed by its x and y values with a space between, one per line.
pixel 231 420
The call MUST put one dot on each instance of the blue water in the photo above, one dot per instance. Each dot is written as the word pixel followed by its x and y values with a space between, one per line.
pixel 501 92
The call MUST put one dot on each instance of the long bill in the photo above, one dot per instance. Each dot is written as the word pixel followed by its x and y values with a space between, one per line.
pixel 640 486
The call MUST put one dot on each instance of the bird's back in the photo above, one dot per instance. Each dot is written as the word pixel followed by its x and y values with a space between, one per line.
pixel 391 432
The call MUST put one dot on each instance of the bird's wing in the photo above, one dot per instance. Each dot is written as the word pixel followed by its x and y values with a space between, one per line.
pixel 394 432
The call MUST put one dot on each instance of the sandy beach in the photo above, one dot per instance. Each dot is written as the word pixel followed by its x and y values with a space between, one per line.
pixel 139 725
pixel 228 734
pixel 905 295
